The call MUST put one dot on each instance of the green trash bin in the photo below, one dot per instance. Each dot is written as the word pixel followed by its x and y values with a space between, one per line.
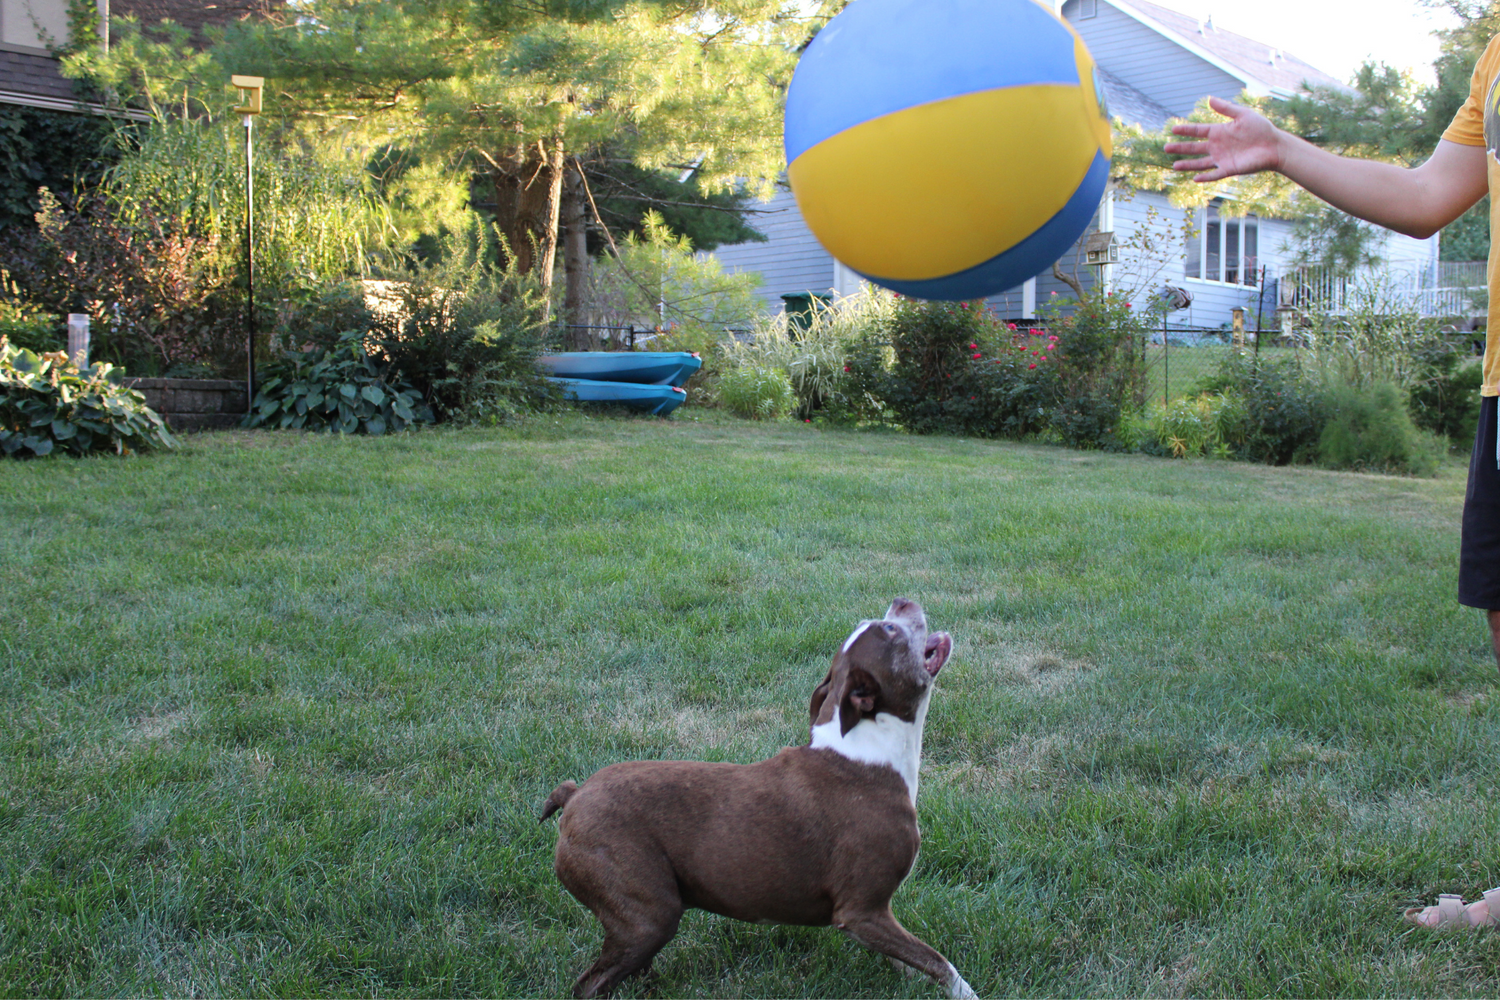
pixel 799 310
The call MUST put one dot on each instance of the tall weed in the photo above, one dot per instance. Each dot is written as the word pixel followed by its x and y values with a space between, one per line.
pixel 466 329
pixel 820 361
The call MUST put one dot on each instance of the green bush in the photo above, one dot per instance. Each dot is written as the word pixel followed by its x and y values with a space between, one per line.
pixel 317 317
pixel 48 405
pixel 756 393
pixel 158 296
pixel 1369 429
pixel 1285 408
pixel 954 371
pixel 31 328
pixel 1444 392
pixel 859 396
pixel 467 329
pixel 342 389
pixel 1101 369
pixel 1208 424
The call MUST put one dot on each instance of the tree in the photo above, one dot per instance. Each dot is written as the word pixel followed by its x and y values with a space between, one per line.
pixel 521 91
pixel 626 195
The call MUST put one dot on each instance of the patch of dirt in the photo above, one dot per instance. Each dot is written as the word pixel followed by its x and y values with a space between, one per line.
pixel 1024 762
pixel 156 727
pixel 1042 672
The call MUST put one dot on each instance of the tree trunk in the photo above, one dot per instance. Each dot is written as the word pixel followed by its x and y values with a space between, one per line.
pixel 528 199
pixel 1068 279
pixel 575 258
pixel 507 187
pixel 537 209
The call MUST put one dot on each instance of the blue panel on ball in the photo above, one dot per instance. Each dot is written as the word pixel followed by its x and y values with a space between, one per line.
pixel 1022 261
pixel 883 56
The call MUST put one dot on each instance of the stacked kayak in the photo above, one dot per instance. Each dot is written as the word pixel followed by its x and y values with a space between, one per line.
pixel 650 381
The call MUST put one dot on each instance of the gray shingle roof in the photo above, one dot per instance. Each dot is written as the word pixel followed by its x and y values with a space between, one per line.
pixel 30 78
pixel 34 75
pixel 1261 61
pixel 1130 104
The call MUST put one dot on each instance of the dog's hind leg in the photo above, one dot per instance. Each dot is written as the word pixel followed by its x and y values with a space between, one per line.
pixel 627 950
pixel 880 931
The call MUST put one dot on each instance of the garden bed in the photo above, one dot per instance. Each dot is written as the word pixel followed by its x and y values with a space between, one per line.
pixel 194 404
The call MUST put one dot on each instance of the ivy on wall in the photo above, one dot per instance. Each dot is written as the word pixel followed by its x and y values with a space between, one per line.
pixel 59 150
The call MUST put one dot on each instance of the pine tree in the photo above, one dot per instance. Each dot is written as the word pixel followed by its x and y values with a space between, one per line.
pixel 524 94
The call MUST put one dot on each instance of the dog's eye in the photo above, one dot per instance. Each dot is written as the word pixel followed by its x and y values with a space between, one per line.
pixel 889 628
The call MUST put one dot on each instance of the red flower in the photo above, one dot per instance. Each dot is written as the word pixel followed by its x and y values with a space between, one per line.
pixel 973 347
pixel 977 356
pixel 1032 365
pixel 846 368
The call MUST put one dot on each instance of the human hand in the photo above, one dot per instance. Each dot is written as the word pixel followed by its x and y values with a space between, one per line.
pixel 1246 144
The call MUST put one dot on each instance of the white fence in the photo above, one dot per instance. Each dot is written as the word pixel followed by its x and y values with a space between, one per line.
pixel 1456 289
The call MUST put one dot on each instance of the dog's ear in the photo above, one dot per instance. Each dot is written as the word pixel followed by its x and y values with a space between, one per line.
pixel 820 694
pixel 847 690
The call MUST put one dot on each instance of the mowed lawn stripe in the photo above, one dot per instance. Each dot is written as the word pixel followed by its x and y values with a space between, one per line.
pixel 277 711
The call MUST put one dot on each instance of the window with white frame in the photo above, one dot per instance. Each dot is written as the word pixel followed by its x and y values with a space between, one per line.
pixel 1224 249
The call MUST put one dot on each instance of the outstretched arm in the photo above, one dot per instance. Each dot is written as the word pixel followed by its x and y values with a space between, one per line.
pixel 1417 201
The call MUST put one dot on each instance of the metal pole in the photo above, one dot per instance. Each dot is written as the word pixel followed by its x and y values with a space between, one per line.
pixel 249 268
pixel 1166 364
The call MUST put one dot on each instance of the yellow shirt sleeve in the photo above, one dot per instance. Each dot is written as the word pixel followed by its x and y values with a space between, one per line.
pixel 1467 127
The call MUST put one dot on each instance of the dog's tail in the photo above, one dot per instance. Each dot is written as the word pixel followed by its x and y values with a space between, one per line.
pixel 559 798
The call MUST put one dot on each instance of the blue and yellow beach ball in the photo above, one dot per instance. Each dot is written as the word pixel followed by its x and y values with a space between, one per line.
pixel 947 149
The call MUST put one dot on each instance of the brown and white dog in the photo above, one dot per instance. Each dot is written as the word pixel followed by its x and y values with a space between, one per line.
pixel 820 834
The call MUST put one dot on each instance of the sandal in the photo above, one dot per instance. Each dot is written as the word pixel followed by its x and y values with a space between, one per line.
pixel 1450 911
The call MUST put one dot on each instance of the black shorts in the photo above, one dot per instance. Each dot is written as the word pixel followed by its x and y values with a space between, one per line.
pixel 1479 551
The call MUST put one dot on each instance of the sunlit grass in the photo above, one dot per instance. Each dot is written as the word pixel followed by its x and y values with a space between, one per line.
pixel 276 712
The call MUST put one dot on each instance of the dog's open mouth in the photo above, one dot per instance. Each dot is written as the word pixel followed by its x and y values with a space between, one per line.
pixel 936 651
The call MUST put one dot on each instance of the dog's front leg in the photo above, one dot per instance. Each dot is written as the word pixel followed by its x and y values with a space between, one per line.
pixel 880 931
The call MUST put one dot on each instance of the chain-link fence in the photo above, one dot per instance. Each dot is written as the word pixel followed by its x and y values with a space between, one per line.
pixel 1180 360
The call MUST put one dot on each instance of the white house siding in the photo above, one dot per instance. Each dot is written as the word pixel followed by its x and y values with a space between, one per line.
pixel 1148 77
pixel 1168 74
pixel 792 261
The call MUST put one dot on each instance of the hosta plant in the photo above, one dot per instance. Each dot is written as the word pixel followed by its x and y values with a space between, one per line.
pixel 342 389
pixel 47 404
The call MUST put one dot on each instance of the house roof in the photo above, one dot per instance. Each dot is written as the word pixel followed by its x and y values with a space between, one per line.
pixel 1273 69
pixel 34 80
pixel 1130 104
pixel 29 79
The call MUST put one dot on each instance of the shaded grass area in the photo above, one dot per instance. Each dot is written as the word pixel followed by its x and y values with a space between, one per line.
pixel 277 712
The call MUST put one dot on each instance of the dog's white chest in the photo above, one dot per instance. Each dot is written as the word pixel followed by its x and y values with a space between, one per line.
pixel 884 740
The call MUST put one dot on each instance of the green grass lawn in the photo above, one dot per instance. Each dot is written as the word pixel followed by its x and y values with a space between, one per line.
pixel 277 711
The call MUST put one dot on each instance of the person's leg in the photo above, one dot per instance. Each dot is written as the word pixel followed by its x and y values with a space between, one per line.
pixel 1478 587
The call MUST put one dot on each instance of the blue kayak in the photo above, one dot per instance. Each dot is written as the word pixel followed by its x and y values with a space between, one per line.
pixel 657 399
pixel 646 367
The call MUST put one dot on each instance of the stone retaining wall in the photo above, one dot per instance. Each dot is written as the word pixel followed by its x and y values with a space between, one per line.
pixel 194 404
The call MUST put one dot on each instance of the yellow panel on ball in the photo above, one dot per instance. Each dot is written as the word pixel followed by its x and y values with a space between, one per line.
pixel 960 182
